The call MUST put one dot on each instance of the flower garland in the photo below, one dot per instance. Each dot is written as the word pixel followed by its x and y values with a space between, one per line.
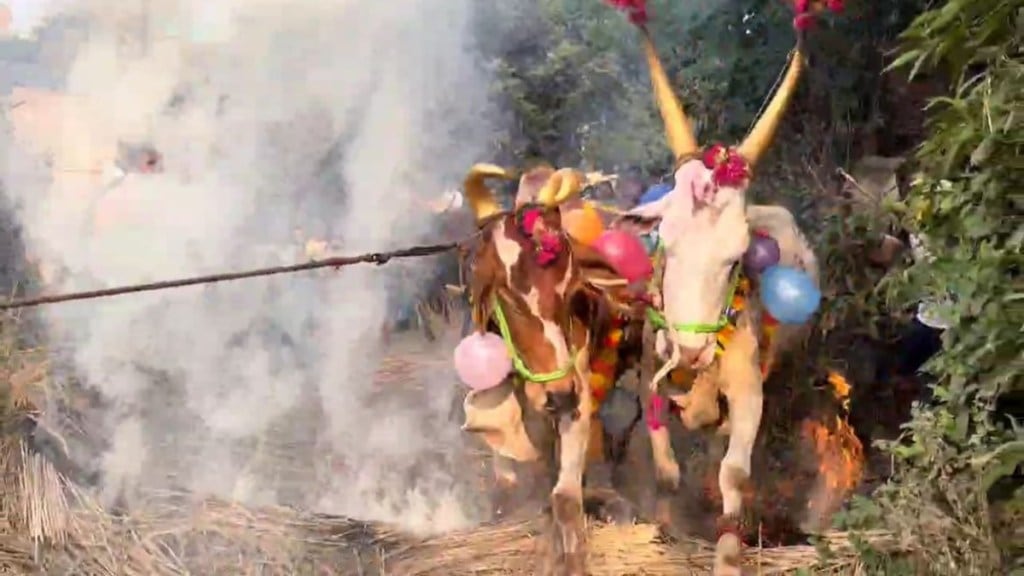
pixel 605 363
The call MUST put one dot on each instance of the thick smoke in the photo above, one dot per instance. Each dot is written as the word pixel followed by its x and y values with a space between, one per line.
pixel 277 121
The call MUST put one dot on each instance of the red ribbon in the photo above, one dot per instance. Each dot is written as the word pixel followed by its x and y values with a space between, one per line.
pixel 656 410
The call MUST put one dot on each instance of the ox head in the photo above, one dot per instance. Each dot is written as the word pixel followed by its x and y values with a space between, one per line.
pixel 527 284
pixel 702 222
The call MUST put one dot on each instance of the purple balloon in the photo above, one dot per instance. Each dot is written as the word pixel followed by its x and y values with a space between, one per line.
pixel 762 254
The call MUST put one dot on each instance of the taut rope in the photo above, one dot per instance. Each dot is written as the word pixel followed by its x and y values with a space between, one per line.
pixel 377 258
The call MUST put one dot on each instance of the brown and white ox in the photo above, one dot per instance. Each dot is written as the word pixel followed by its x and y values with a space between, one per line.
pixel 705 226
pixel 527 281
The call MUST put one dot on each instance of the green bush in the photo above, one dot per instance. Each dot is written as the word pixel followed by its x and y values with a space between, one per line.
pixel 953 494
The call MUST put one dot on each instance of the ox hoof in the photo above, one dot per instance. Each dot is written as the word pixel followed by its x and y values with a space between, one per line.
pixel 728 556
pixel 667 477
pixel 729 548
pixel 566 550
pixel 609 507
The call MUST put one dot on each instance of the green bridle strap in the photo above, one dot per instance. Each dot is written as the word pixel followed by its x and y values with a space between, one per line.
pixel 517 360
pixel 658 320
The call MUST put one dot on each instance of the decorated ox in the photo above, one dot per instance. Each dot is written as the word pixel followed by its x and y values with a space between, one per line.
pixel 527 285
pixel 710 327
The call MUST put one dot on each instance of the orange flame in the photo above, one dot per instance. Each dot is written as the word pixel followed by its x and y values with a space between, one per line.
pixel 840 455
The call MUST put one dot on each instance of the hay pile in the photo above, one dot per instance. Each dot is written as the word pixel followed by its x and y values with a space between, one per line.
pixel 178 535
pixel 50 525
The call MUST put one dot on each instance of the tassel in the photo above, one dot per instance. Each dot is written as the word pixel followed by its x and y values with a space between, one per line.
pixel 635 9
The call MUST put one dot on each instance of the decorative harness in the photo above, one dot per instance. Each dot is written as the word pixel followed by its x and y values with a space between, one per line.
pixel 517 360
pixel 724 328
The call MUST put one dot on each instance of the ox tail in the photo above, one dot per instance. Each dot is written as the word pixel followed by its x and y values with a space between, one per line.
pixel 669 365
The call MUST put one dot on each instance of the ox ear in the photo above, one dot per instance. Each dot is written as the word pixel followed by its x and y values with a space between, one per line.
pixel 643 219
pixel 481 287
pixel 635 224
pixel 598 279
pixel 594 268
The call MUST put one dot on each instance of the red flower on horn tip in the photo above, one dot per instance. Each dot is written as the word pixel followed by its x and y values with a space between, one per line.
pixel 836 6
pixel 804 21
pixel 636 9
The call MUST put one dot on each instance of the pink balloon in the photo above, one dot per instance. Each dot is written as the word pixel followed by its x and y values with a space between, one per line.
pixel 626 253
pixel 482 360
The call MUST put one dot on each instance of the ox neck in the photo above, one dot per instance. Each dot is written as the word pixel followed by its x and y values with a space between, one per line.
pixel 658 320
pixel 517 360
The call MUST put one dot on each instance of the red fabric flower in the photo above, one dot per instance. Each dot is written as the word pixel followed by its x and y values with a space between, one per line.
pixel 727 167
pixel 635 9
pixel 801 6
pixel 548 248
pixel 836 6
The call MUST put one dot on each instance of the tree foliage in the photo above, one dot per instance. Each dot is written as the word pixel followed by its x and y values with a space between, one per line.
pixel 572 72
pixel 954 485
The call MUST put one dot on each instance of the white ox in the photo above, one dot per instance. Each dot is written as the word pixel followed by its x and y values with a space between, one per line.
pixel 705 226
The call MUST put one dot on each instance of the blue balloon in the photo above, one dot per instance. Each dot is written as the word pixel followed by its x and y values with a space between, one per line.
pixel 788 294
pixel 654 193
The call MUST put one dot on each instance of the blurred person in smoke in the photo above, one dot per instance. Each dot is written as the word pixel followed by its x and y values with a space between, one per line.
pixel 411 297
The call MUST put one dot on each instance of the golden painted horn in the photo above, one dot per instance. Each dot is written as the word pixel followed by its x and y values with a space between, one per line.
pixel 756 143
pixel 479 195
pixel 678 131
pixel 563 184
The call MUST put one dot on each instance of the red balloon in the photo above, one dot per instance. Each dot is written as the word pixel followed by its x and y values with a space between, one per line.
pixel 626 253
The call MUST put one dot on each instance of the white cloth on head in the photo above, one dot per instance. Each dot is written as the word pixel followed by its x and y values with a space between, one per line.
pixel 930 310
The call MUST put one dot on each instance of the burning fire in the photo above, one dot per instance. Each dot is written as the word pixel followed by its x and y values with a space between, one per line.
pixel 838 470
pixel 839 454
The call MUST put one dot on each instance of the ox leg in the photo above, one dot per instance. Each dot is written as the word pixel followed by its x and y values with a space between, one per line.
pixel 568 537
pixel 506 481
pixel 600 498
pixel 666 467
pixel 423 316
pixel 745 407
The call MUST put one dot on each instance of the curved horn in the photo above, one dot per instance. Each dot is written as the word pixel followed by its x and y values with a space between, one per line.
pixel 756 143
pixel 562 185
pixel 480 197
pixel 678 131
